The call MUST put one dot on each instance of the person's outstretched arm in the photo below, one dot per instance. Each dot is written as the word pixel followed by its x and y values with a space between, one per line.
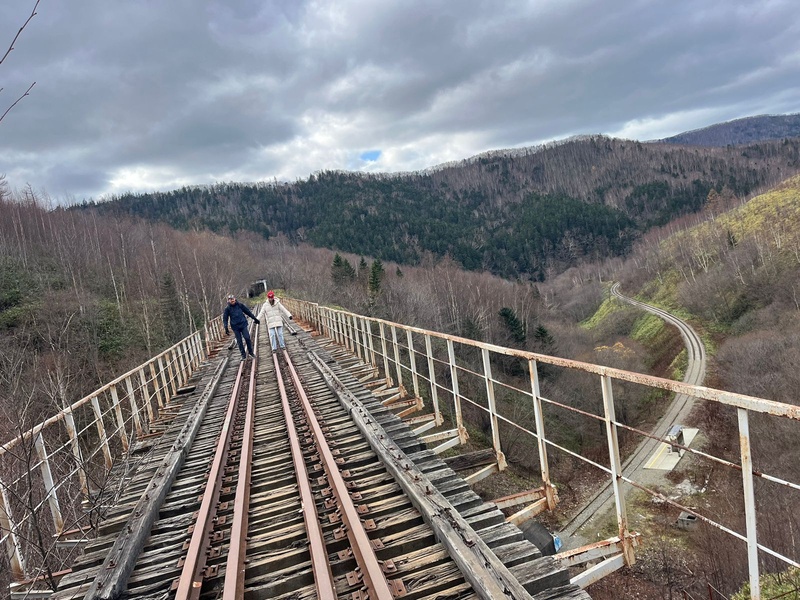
pixel 249 313
pixel 286 311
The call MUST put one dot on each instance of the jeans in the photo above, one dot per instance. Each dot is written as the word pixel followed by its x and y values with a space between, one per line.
pixel 243 333
pixel 276 331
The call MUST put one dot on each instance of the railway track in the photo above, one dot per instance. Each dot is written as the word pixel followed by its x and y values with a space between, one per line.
pixel 284 477
pixel 677 412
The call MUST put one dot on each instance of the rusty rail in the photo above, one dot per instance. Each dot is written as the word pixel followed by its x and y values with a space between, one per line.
pixel 373 577
pixel 235 565
pixel 323 578
pixel 190 582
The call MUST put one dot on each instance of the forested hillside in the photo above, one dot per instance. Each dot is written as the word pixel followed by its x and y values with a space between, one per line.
pixel 85 297
pixel 735 275
pixel 520 214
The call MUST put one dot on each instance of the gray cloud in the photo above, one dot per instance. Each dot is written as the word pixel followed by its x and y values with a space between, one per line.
pixel 148 95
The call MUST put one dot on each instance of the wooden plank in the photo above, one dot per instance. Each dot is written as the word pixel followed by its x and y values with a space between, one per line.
pixel 567 592
pixel 541 574
pixel 517 553
pixel 471 460
pixel 265 562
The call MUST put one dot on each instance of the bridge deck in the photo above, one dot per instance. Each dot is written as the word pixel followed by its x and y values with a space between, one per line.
pixel 277 557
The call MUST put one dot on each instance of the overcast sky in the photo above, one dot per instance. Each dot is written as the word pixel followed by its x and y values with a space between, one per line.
pixel 137 95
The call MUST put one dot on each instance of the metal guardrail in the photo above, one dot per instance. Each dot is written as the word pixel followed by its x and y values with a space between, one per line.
pixel 61 465
pixel 432 364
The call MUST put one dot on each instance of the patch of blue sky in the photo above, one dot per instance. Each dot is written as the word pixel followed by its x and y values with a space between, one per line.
pixel 370 155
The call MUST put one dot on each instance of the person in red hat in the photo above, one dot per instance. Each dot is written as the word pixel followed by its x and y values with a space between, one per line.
pixel 274 311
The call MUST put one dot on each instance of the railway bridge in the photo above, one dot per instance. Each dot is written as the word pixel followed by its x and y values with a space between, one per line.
pixel 341 468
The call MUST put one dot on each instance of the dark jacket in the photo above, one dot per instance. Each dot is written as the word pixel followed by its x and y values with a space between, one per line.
pixel 236 314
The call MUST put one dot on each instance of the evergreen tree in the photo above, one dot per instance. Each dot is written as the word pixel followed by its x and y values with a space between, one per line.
pixel 362 267
pixel 545 342
pixel 336 268
pixel 376 275
pixel 514 326
pixel 516 337
pixel 398 272
pixel 341 270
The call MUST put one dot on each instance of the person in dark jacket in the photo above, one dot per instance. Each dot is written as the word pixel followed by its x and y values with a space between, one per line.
pixel 235 313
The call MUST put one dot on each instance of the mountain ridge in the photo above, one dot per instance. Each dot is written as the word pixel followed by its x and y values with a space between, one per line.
pixel 519 217
pixel 740 131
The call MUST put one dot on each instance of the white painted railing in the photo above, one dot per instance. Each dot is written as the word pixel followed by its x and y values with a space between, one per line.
pixel 432 364
pixel 52 477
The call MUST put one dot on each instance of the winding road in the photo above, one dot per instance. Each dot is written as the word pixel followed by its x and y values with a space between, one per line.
pixel 678 411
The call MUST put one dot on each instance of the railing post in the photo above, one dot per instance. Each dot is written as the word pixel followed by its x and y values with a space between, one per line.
pixel 156 386
pixel 137 421
pixel 199 356
pixel 359 344
pixel 180 353
pixel 49 483
pixel 121 427
pixel 324 326
pixel 413 360
pixel 610 419
pixel 749 503
pixel 352 338
pixel 368 341
pixel 171 371
pixel 72 432
pixel 146 396
pixel 451 355
pixel 9 529
pixel 397 366
pixel 549 489
pixel 487 375
pixel 345 323
pixel 385 354
pixel 164 385
pixel 335 327
pixel 101 432
pixel 432 377
pixel 191 356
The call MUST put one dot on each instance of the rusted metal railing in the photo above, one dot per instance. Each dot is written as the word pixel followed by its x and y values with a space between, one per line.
pixel 54 476
pixel 433 365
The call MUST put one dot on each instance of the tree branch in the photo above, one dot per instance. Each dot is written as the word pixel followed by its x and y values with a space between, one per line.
pixel 24 25
pixel 27 92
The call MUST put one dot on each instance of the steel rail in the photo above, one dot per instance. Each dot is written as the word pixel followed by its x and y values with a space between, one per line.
pixel 320 565
pixel 191 578
pixel 235 565
pixel 373 576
